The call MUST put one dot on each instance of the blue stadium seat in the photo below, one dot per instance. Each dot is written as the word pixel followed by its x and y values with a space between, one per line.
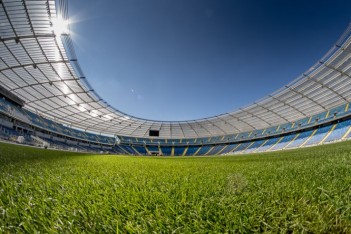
pixel 319 135
pixel 178 151
pixel 166 150
pixel 254 146
pixel 268 144
pixel 339 131
pixel 284 142
pixel 303 136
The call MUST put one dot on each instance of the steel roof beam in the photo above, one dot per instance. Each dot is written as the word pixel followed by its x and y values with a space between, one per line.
pixel 46 82
pixel 335 69
pixel 34 65
pixel 325 86
pixel 226 122
pixel 32 36
pixel 240 120
pixel 304 96
pixel 253 115
pixel 279 100
pixel 61 95
pixel 269 110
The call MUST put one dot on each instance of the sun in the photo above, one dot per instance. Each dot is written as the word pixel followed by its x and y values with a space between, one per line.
pixel 60 26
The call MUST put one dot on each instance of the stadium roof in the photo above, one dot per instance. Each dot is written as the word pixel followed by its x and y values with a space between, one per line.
pixel 38 64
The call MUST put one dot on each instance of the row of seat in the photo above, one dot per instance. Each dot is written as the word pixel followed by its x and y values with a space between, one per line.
pixel 327 116
pixel 291 135
pixel 12 134
pixel 324 134
pixel 49 125
pixel 9 134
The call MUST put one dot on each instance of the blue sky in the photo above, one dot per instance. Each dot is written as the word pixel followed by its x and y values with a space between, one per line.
pixel 189 59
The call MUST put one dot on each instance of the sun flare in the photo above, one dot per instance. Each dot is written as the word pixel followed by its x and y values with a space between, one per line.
pixel 60 26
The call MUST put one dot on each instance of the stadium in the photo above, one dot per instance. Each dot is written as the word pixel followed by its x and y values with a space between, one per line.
pixel 78 184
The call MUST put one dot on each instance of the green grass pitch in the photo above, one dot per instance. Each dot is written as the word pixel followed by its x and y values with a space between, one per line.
pixel 307 190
